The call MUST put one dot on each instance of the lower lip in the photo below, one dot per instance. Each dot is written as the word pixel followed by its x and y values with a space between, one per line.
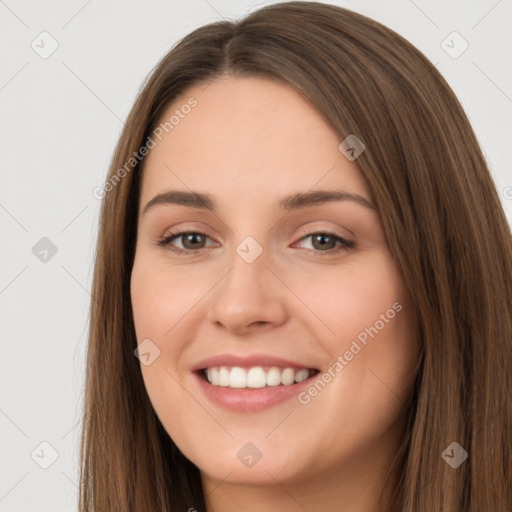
pixel 250 399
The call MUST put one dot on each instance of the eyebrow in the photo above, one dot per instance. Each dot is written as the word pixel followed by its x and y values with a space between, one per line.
pixel 295 201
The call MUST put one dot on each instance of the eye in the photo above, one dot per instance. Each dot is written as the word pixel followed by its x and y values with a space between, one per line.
pixel 325 243
pixel 192 241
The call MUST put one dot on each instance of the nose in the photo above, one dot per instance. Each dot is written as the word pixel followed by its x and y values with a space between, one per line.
pixel 249 296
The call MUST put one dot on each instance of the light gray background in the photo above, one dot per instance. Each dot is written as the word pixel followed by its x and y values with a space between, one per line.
pixel 60 119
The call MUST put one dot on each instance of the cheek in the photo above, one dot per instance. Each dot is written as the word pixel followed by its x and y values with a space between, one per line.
pixel 158 304
pixel 365 317
pixel 347 298
pixel 159 298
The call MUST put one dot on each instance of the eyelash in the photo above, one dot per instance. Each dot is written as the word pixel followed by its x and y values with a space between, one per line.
pixel 165 241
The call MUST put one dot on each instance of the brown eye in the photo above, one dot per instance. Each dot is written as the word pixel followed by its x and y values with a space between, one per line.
pixel 325 243
pixel 191 241
pixel 322 241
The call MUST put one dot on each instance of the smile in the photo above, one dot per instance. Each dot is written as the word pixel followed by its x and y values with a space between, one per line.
pixel 255 377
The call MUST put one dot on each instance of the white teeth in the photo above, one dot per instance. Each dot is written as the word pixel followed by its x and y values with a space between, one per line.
pixel 237 378
pixel 301 375
pixel 255 377
pixel 273 377
pixel 287 377
pixel 223 376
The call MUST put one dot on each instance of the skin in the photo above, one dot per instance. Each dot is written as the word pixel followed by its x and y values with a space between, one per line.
pixel 248 143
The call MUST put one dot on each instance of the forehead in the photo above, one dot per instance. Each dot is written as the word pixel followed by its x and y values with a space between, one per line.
pixel 248 132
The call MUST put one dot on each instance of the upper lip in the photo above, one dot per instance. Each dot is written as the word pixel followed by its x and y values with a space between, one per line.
pixel 248 361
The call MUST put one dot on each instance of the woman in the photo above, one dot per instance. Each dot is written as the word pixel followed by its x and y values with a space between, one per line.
pixel 341 337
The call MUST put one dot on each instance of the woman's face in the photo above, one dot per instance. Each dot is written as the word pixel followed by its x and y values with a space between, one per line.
pixel 270 292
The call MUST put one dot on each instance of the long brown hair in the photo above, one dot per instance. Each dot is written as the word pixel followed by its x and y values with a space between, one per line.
pixel 444 224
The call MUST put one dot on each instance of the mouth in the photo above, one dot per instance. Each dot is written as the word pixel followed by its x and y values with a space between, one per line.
pixel 256 377
pixel 251 382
